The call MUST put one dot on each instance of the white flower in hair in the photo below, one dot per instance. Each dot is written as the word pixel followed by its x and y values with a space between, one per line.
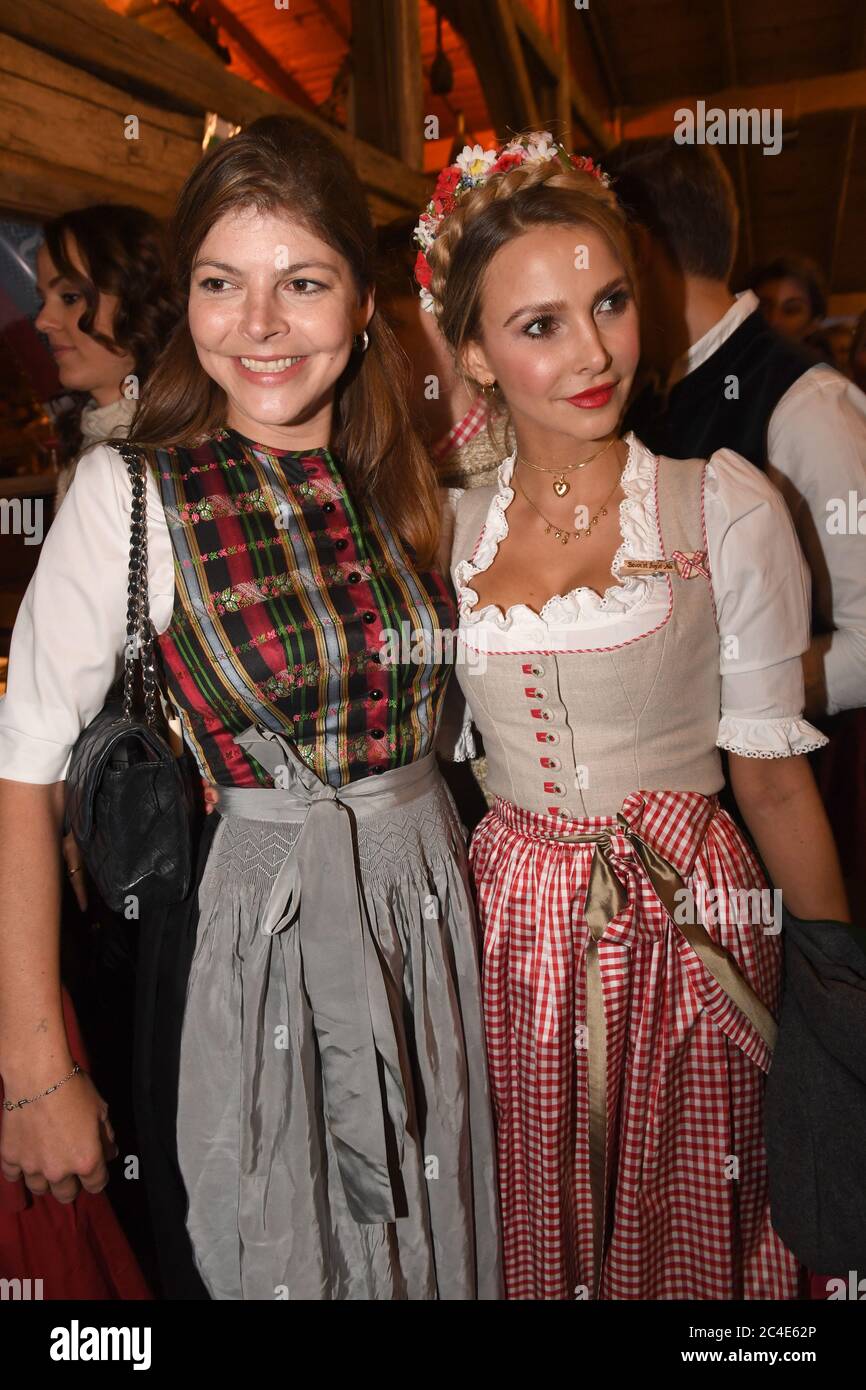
pixel 540 145
pixel 428 304
pixel 475 162
pixel 425 232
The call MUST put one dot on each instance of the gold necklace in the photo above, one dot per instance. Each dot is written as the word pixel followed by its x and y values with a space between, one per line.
pixel 565 535
pixel 561 486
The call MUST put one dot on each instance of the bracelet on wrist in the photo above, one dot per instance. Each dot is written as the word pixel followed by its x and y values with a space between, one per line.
pixel 28 1100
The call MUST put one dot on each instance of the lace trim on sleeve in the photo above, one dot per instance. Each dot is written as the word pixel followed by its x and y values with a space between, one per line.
pixel 768 738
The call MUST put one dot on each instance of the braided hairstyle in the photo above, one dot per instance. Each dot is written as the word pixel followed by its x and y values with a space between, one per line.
pixel 506 206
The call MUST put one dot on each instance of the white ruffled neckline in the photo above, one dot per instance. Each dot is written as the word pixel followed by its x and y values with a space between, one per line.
pixel 638 525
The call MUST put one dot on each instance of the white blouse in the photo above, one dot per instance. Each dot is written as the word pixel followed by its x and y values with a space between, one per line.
pixel 68 640
pixel 760 587
pixel 67 645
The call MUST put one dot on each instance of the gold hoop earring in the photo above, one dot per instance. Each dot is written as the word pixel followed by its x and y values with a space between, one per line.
pixel 488 387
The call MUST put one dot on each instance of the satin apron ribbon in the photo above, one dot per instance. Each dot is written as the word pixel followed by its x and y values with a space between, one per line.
pixel 606 896
pixel 318 891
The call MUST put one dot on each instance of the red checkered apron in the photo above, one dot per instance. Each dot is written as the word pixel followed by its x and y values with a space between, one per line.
pixel 683 1187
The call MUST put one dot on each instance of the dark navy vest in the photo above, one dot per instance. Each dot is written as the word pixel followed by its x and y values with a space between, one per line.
pixel 703 412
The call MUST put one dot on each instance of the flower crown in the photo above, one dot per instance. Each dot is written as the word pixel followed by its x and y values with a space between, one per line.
pixel 475 167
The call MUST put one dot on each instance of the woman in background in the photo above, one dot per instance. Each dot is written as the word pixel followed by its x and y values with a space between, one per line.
pixel 106 311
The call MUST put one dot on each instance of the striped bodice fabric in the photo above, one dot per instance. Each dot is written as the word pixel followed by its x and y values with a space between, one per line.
pixel 298 609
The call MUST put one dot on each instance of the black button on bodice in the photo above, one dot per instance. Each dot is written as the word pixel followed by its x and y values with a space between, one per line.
pixel 340 544
pixel 375 694
pixel 354 577
pixel 377 733
pixel 369 617
pixel 327 506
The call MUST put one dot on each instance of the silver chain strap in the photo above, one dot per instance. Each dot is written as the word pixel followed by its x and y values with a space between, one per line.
pixel 139 630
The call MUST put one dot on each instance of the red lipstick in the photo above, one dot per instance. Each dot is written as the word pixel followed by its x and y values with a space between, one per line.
pixel 595 397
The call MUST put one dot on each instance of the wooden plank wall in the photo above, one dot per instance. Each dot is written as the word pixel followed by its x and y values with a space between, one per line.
pixel 71 70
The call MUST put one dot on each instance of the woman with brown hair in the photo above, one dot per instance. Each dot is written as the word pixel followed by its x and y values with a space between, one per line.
pixel 333 1122
pixel 622 617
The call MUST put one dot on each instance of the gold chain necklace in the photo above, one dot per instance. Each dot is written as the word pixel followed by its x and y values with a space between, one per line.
pixel 561 486
pixel 564 535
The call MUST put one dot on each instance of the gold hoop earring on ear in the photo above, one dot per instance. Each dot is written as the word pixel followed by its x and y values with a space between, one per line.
pixel 364 342
pixel 488 387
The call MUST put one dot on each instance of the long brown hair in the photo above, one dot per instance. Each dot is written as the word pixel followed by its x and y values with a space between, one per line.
pixel 124 253
pixel 280 163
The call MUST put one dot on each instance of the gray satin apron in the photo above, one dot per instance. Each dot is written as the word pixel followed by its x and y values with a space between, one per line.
pixel 334 1131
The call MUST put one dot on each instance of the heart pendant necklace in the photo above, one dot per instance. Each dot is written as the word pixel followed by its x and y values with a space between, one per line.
pixel 561 485
pixel 563 533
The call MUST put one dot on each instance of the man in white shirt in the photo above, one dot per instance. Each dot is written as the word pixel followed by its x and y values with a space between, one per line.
pixel 724 379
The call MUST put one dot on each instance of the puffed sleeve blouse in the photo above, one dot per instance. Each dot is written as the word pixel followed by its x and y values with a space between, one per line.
pixel 760 584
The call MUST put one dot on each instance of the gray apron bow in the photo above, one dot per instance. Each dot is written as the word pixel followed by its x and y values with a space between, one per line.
pixel 317 890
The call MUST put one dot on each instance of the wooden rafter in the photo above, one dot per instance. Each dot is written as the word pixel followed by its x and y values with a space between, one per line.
pixel 742 161
pixel 491 35
pixel 581 110
pixel 330 13
pixel 563 86
pixel 263 63
pixel 859 48
pixel 87 34
pixel 599 46
pixel 388 87
pixel 804 96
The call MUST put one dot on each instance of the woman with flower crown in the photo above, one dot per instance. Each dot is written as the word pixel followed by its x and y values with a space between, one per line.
pixel 622 618
pixel 331 1105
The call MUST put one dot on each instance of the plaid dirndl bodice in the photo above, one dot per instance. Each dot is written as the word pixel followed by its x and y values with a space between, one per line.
pixel 292 609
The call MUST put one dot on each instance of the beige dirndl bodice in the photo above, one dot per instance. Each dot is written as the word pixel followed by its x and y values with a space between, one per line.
pixel 571 730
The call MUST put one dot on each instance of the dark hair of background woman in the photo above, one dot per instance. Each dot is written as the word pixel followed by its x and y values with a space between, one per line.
pixel 124 252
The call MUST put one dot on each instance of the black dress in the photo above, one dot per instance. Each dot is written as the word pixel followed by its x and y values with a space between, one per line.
pixel 165 950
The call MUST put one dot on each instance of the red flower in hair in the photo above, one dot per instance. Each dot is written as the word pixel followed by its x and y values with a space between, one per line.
pixel 510 160
pixel 423 273
pixel 447 180
pixel 444 204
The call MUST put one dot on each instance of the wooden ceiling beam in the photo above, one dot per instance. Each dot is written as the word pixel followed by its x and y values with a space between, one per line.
pixel 748 237
pixel 490 32
pixel 39 95
pixel 580 110
pixel 263 63
pixel 858 47
pixel 387 79
pixel 599 46
pixel 563 86
pixel 331 15
pixel 89 35
pixel 804 96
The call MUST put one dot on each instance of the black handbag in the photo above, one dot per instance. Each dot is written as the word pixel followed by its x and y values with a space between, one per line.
pixel 129 799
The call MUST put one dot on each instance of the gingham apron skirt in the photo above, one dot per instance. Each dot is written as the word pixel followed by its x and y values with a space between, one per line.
pixel 627 1083
pixel 335 1129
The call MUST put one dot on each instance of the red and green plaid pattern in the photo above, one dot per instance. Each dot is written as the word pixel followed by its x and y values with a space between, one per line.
pixel 284 591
